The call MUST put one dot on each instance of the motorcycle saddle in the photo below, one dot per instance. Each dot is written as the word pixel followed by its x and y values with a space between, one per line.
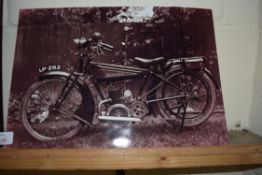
pixel 150 61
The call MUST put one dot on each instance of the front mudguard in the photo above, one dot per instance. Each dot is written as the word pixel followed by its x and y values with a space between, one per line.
pixel 87 107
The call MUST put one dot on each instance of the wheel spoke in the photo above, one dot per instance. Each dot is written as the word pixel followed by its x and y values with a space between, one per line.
pixel 45 102
pixel 47 124
pixel 198 100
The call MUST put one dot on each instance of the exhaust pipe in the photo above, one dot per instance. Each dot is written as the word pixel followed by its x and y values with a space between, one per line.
pixel 116 118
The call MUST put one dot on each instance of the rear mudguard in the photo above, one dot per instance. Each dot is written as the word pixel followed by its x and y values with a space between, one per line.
pixel 175 68
pixel 86 108
pixel 218 87
pixel 179 67
pixel 170 69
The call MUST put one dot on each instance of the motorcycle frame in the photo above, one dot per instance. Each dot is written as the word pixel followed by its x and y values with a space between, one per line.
pixel 130 73
pixel 83 72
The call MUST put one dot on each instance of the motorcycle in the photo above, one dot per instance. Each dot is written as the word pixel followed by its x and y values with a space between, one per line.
pixel 57 106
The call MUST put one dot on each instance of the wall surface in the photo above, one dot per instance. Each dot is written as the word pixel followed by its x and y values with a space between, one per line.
pixel 236 30
pixel 255 119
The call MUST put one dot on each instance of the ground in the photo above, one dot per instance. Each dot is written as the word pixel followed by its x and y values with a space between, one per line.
pixel 148 133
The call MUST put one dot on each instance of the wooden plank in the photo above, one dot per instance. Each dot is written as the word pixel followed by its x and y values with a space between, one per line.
pixel 109 159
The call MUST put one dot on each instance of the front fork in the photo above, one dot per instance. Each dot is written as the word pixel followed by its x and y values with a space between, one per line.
pixel 81 65
pixel 70 82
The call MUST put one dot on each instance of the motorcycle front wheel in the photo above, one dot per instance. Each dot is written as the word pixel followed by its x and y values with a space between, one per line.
pixel 192 100
pixel 44 123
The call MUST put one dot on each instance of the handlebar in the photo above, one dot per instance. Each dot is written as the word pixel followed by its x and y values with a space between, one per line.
pixel 106 47
pixel 88 42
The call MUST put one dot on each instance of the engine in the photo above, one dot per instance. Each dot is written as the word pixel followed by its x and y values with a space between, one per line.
pixel 118 106
pixel 121 106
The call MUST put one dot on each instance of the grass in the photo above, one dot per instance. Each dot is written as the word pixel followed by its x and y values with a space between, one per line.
pixel 148 133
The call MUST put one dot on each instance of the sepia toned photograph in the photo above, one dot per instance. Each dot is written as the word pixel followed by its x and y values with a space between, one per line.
pixel 116 77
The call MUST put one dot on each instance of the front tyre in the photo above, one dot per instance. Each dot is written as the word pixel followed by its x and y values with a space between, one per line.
pixel 193 97
pixel 40 120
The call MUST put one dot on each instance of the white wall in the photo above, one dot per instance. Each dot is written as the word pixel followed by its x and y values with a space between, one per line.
pixel 236 30
pixel 256 115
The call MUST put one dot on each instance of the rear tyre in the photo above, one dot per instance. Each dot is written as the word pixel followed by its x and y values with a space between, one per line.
pixel 196 98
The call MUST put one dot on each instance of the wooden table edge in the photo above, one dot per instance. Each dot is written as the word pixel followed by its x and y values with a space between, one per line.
pixel 144 158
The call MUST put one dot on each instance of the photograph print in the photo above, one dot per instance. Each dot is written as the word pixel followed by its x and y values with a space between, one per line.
pixel 116 77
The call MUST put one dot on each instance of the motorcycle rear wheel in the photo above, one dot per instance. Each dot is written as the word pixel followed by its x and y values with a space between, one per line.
pixel 197 102
pixel 41 121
